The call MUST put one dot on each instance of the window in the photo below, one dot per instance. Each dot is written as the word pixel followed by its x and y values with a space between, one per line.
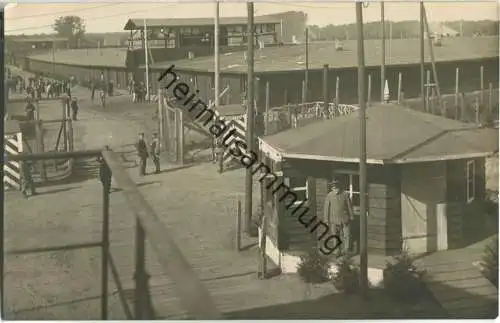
pixel 350 183
pixel 471 181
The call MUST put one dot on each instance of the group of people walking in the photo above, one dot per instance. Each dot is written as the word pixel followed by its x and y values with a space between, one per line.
pixel 138 91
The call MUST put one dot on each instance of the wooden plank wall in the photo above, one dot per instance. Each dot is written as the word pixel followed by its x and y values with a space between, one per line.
pixel 384 221
pixel 384 210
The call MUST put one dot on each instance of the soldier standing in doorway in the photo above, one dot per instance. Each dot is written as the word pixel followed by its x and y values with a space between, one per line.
pixel 155 152
pixel 339 214
pixel 27 179
pixel 142 153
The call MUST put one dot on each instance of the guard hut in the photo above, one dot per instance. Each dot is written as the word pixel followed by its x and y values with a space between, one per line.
pixel 426 178
pixel 13 145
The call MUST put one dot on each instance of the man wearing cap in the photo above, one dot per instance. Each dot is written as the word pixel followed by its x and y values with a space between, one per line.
pixel 30 109
pixel 155 152
pixel 338 212
pixel 74 109
pixel 142 153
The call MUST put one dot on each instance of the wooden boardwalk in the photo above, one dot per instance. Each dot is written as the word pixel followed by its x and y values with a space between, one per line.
pixel 458 285
pixel 203 227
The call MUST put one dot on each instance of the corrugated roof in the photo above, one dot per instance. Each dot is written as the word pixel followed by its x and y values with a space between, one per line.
pixel 138 23
pixel 36 39
pixel 394 133
pixel 110 57
pixel 292 57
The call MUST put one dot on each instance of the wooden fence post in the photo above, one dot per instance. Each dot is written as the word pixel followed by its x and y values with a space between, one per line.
pixel 337 90
pixel 400 85
pixel 427 91
pixel 326 99
pixel 106 186
pixel 238 226
pixel 262 250
pixel 268 97
pixel 457 86
pixel 141 277
pixel 369 96
pixel 161 120
pixel 477 103
pixel 490 98
pixel 180 127
pixel 462 107
pixel 481 72
pixel 40 148
pixel 175 140
pixel 303 91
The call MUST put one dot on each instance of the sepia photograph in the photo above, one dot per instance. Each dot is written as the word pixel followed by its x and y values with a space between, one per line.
pixel 250 160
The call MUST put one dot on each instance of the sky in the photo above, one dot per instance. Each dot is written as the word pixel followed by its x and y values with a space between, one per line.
pixel 104 16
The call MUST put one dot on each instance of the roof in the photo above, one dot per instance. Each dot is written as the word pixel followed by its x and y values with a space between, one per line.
pixel 138 23
pixel 292 57
pixel 395 134
pixel 110 57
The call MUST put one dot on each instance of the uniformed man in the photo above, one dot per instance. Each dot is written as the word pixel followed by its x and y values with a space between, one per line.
pixel 219 154
pixel 27 179
pixel 142 153
pixel 104 173
pixel 30 109
pixel 155 152
pixel 74 109
pixel 338 212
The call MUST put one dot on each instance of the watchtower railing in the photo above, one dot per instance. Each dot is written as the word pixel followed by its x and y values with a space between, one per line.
pixel 296 115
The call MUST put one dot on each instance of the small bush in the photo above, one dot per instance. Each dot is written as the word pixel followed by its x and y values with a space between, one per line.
pixel 313 267
pixel 403 280
pixel 489 263
pixel 346 278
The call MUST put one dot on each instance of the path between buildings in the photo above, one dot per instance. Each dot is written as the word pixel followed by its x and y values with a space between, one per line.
pixel 458 285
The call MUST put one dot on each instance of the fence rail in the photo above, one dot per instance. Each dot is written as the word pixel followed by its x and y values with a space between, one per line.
pixel 193 295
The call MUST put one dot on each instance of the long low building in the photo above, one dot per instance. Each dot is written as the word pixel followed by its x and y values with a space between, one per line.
pixel 284 68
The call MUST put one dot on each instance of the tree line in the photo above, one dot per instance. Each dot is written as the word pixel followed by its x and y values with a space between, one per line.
pixel 401 29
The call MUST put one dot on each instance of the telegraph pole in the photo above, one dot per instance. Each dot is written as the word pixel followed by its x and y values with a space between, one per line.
pixel 382 65
pixel 362 157
pixel 216 57
pixel 250 115
pixel 422 56
pixel 306 75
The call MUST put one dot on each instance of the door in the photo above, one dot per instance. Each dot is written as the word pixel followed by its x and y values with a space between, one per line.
pixel 423 215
